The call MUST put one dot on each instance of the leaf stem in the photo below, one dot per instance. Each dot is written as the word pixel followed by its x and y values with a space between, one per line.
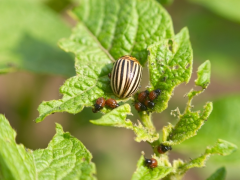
pixel 147 120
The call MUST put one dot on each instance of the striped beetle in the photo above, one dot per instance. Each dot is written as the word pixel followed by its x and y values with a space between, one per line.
pixel 126 76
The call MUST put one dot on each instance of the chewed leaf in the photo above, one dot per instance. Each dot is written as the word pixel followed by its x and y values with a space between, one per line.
pixel 190 121
pixel 219 174
pixel 204 72
pixel 107 30
pixel 188 124
pixel 220 148
pixel 16 161
pixel 64 158
pixel 170 64
pixel 166 131
pixel 116 117
pixel 145 173
pixel 144 133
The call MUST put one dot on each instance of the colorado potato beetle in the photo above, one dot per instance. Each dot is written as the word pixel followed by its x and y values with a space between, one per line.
pixel 152 163
pixel 112 103
pixel 126 76
pixel 100 103
pixel 162 148
pixel 154 94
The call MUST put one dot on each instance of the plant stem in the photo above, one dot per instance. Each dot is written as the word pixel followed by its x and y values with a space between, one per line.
pixel 147 120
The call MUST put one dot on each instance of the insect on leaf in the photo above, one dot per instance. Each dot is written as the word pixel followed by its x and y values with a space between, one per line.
pixel 107 30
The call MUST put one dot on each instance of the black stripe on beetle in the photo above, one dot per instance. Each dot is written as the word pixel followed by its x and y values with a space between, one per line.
pixel 126 76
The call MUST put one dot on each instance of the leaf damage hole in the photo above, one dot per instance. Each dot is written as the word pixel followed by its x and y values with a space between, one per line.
pixel 170 44
pixel 187 66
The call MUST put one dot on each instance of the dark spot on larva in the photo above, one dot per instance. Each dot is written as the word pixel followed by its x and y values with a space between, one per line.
pixel 187 66
pixel 164 79
pixel 148 53
pixel 152 64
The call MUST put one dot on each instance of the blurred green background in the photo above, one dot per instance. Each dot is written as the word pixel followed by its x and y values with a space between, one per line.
pixel 33 68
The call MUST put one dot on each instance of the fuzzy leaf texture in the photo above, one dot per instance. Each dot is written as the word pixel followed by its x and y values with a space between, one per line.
pixel 107 30
pixel 170 64
pixel 145 173
pixel 222 147
pixel 189 122
pixel 118 118
pixel 16 162
pixel 29 33
pixel 204 72
pixel 64 158
pixel 223 123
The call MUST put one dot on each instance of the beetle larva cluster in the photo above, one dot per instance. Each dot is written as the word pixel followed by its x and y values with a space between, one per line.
pixel 146 99
pixel 101 102
pixel 126 76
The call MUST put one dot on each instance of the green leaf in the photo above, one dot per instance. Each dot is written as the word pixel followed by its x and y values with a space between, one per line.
pixel 79 91
pixel 145 173
pixel 117 118
pixel 220 148
pixel 124 27
pixel 223 123
pixel 204 72
pixel 16 162
pixel 144 133
pixel 166 131
pixel 225 8
pixel 64 158
pixel 187 126
pixel 190 121
pixel 29 35
pixel 170 64
pixel 107 31
pixel 219 174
